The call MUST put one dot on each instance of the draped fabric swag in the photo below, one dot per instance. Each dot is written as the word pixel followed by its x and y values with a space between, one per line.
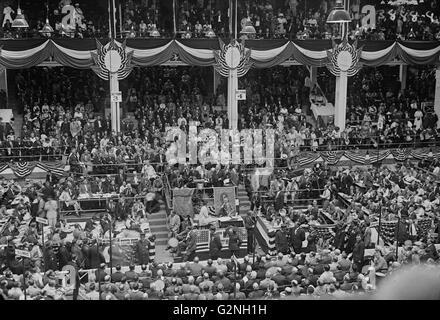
pixel 19 54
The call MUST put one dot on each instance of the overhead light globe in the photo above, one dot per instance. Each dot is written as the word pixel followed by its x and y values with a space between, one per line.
pixel 154 33
pixel 47 29
pixel 20 21
pixel 210 33
pixel 338 14
pixel 248 29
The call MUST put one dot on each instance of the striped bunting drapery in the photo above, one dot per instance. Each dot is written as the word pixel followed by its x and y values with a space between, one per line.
pixel 204 237
pixel 57 168
pixel 423 227
pixel 331 157
pixel 307 158
pixel 423 154
pixel 361 157
pixel 3 167
pixel 322 231
pixel 22 169
pixel 401 154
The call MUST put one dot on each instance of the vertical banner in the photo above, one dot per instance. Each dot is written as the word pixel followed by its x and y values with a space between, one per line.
pixel 225 154
pixel 235 140
pixel 270 148
pixel 192 142
pixel 182 202
pixel 258 146
pixel 208 152
pixel 176 152
pixel 247 145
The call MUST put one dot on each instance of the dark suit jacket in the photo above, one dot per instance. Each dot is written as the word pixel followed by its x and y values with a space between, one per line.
pixel 215 246
pixel 358 252
pixel 279 200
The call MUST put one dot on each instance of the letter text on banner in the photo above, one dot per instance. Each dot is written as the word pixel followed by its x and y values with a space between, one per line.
pixel 192 142
pixel 208 151
pixel 258 146
pixel 369 19
pixel 176 152
pixel 235 139
pixel 270 146
pixel 247 143
pixel 68 21
pixel 225 154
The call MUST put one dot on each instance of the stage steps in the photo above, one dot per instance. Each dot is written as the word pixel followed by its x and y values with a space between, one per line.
pixel 158 223
pixel 245 203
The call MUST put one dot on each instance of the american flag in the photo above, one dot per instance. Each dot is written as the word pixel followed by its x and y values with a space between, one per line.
pixel 423 154
pixel 387 231
pixel 401 154
pixel 21 169
pixel 325 232
pixel 423 227
pixel 56 168
pixel 331 157
pixel 307 158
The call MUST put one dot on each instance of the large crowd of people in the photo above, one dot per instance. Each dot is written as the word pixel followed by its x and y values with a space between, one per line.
pixel 327 267
pixel 338 232
pixel 61 110
pixel 193 19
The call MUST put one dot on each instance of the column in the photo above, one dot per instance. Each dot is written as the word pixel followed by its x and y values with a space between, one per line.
pixel 114 106
pixel 232 101
pixel 341 100
pixel 4 87
pixel 313 75
pixel 437 94
pixel 403 70
pixel 217 79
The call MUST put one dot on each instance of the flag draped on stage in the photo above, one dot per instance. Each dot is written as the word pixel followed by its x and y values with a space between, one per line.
pixel 182 202
pixel 387 232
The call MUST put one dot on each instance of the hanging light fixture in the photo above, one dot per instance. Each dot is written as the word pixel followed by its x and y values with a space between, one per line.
pixel 210 32
pixel 19 21
pixel 338 14
pixel 132 33
pixel 47 29
pixel 154 33
pixel 248 29
pixel 187 34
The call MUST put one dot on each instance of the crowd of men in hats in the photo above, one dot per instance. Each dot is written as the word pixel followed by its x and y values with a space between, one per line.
pixel 406 194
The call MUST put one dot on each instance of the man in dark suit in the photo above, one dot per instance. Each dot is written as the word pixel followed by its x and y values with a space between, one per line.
pixel 117 275
pixel 279 200
pixel 2 130
pixel 73 161
pixel 10 146
pixel 297 236
pixel 142 250
pixel 249 221
pixel 100 125
pixel 120 178
pixel 358 253
pixel 234 242
pixel 215 244
pixel 281 240
pixel 121 210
